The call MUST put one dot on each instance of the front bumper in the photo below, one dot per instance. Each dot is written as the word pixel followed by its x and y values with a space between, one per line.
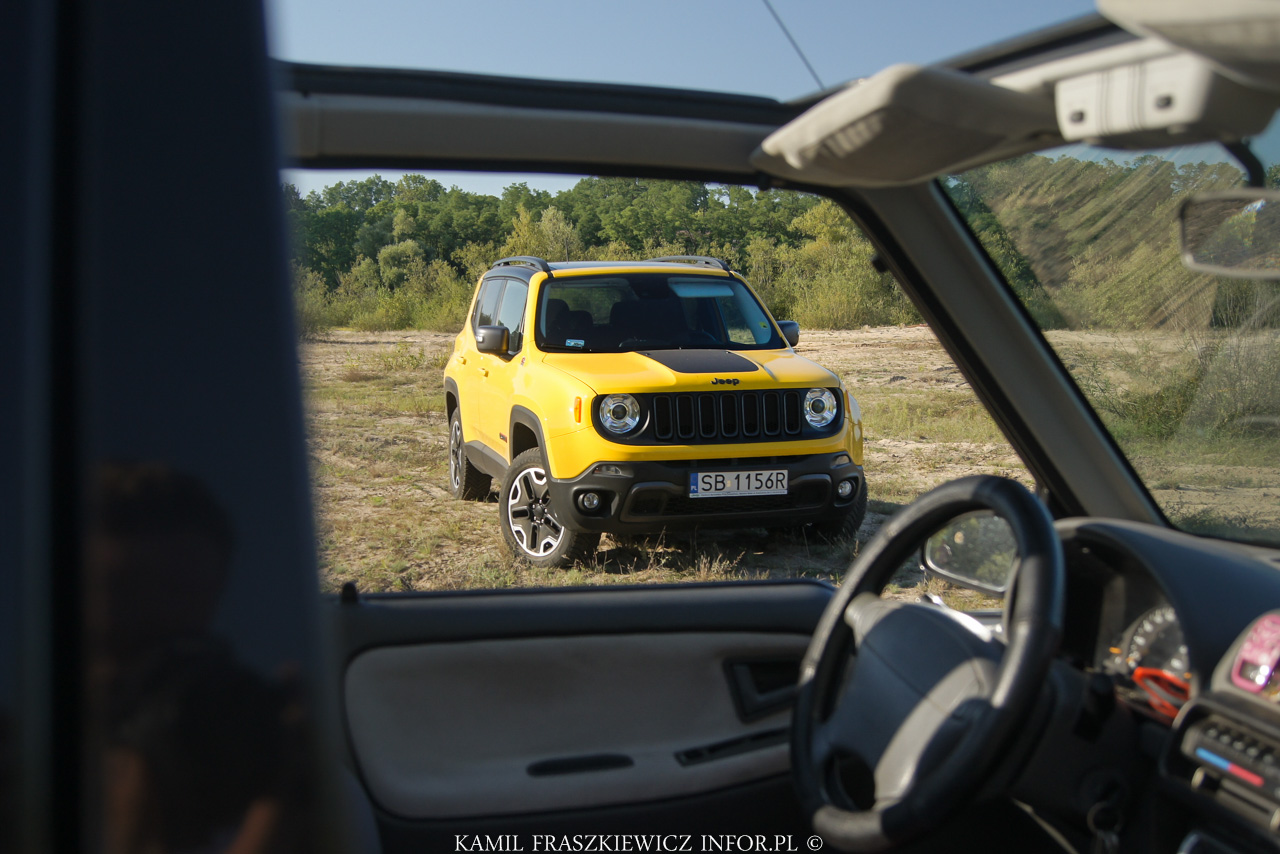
pixel 648 496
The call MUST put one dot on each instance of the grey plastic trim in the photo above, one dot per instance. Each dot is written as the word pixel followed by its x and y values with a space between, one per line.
pixel 791 606
pixel 347 128
pixel 1082 34
pixel 533 92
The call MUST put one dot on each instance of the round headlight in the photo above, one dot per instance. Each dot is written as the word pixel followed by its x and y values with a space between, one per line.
pixel 819 407
pixel 619 413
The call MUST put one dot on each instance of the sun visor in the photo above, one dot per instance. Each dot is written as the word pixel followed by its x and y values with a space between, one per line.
pixel 907 124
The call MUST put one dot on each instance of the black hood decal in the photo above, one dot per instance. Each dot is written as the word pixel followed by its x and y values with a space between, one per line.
pixel 702 361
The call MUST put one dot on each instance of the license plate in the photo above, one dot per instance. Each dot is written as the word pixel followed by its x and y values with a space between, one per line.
pixel 720 484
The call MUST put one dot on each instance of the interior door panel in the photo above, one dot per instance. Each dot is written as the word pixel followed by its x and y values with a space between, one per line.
pixel 558 723
pixel 516 712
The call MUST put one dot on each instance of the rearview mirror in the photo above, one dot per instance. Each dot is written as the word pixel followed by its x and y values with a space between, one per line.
pixel 1232 233
pixel 976 551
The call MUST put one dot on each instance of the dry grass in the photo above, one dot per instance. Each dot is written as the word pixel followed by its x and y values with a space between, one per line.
pixel 378 447
pixel 378 440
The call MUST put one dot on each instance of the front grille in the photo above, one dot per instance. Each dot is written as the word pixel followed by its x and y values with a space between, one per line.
pixel 725 416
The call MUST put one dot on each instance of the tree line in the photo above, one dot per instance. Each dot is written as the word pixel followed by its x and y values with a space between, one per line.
pixel 1084 243
pixel 373 254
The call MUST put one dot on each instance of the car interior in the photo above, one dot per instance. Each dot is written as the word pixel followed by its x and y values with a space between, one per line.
pixel 159 545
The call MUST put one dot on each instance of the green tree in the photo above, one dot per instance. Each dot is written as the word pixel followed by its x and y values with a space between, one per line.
pixel 517 196
pixel 358 196
pixel 396 260
pixel 550 236
pixel 327 241
pixel 418 188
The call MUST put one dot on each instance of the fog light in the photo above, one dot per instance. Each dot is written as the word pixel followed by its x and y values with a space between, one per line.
pixel 589 501
pixel 844 488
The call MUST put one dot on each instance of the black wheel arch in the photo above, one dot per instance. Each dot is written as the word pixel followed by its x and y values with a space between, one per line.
pixel 450 397
pixel 526 431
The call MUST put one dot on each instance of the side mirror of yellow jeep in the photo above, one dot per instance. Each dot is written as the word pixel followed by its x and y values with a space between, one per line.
pixel 492 339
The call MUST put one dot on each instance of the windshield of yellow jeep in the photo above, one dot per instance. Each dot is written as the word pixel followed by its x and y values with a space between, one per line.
pixel 1183 368
pixel 651 311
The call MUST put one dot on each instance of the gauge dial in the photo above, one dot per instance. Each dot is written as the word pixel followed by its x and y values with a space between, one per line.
pixel 1155 640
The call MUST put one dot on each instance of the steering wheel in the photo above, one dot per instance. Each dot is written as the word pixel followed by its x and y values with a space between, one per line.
pixel 905 709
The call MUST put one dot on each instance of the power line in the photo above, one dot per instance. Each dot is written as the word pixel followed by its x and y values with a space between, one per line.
pixel 799 52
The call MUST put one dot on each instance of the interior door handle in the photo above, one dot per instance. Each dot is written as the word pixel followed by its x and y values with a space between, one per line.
pixel 762 686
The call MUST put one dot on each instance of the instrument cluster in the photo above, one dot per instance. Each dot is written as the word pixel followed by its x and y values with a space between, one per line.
pixel 1151 664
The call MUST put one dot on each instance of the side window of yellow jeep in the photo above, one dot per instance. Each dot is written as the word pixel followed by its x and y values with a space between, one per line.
pixel 487 304
pixel 511 310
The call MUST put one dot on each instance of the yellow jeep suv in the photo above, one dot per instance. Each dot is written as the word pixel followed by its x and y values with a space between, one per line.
pixel 628 397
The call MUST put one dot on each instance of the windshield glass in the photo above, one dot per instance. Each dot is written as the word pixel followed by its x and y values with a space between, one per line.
pixel 1183 368
pixel 616 313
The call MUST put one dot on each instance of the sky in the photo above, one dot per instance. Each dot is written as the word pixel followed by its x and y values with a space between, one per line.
pixel 721 45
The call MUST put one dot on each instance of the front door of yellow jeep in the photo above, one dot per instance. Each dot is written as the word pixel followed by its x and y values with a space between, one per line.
pixel 499 370
pixel 473 369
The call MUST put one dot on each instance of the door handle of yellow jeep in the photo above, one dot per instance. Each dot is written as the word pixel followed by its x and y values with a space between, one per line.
pixel 484 372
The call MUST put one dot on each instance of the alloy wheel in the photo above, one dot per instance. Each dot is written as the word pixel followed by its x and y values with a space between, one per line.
pixel 455 456
pixel 530 515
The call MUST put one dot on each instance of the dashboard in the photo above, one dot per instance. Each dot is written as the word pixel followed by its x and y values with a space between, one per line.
pixel 1172 644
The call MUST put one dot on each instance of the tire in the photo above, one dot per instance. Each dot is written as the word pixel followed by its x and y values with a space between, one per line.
pixel 530 525
pixel 848 524
pixel 465 480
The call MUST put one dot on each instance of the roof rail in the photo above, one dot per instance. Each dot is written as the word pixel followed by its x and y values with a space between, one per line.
pixel 525 260
pixel 692 259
